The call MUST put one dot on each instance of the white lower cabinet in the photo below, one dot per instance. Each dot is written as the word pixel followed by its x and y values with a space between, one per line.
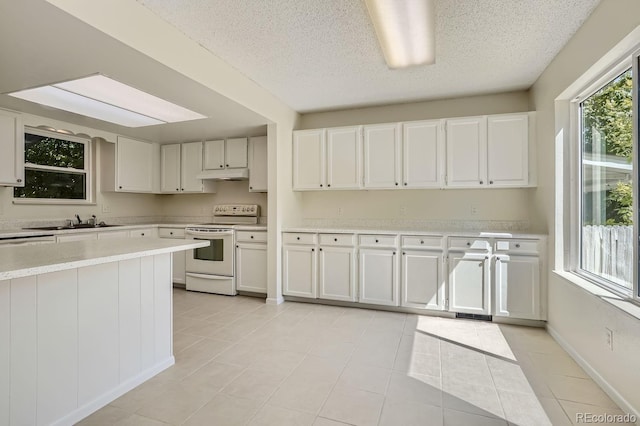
pixel 378 276
pixel 179 258
pixel 144 233
pixel 423 280
pixel 337 273
pixel 517 287
pixel 299 271
pixel 251 267
pixel 469 285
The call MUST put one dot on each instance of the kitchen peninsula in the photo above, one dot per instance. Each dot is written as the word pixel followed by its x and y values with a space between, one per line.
pixel 81 323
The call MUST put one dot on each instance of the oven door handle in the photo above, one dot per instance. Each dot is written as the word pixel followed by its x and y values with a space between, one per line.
pixel 207 276
pixel 208 234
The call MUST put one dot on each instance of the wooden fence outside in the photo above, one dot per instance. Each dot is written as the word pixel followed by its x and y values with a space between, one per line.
pixel 608 251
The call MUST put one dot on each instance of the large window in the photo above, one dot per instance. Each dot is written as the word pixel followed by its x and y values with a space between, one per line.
pixel 606 229
pixel 56 167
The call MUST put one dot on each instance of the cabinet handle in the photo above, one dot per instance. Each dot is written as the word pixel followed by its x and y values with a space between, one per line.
pixel 394 253
pixel 119 187
pixel 468 244
pixel 252 237
pixel 490 182
pixel 298 238
pixel 328 185
pixel 19 180
pixel 320 185
pixel 396 183
pixel 221 166
pixel 227 165
pixel 405 184
pixel 313 249
pixel 251 187
pixel 481 182
pixel 170 233
pixel 335 239
pixel 237 246
pixel 517 245
pixel 403 253
pixel 142 234
pixel 421 242
pixel 182 189
pixel 320 249
pixel 376 241
pixel 177 189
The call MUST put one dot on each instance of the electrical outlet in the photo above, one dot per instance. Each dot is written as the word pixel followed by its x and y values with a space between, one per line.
pixel 403 211
pixel 474 209
pixel 609 338
pixel 340 211
pixel 106 208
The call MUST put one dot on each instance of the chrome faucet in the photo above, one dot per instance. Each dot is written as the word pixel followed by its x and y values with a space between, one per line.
pixel 79 220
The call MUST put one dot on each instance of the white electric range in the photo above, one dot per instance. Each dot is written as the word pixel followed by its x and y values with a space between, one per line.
pixel 212 269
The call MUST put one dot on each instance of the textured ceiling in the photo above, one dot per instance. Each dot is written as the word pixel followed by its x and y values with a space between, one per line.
pixel 321 55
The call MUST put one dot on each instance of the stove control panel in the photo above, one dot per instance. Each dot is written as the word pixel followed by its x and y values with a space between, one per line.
pixel 249 210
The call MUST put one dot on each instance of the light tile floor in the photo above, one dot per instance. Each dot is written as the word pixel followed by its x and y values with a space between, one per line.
pixel 239 361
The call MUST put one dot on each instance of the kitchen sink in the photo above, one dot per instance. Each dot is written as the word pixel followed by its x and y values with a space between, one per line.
pixel 77 226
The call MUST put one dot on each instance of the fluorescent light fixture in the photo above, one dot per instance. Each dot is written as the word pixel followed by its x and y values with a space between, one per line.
pixel 405 30
pixel 100 97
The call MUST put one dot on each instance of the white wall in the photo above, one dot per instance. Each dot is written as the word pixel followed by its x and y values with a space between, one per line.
pixel 578 317
pixel 509 205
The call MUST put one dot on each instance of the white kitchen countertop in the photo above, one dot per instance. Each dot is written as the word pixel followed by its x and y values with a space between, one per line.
pixel 415 231
pixel 23 261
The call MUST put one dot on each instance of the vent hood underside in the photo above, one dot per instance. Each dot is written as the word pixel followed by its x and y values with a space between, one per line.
pixel 224 174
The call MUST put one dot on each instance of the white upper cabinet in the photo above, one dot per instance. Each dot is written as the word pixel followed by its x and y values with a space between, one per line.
pixel 467 152
pixel 214 154
pixel 12 147
pixel 309 159
pixel 422 154
pixel 235 153
pixel 135 168
pixel 508 150
pixel 382 156
pixel 344 157
pixel 170 168
pixel 191 165
pixel 258 169
pixel 180 163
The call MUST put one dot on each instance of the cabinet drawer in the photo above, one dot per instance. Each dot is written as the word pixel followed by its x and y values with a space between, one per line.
pixel 337 239
pixel 378 240
pixel 144 233
pixel 517 246
pixel 171 232
pixel 299 238
pixel 422 242
pixel 251 237
pixel 462 243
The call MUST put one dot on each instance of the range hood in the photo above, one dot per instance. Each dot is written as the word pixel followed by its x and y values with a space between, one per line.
pixel 224 174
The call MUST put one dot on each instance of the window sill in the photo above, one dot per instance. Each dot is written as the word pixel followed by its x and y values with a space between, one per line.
pixel 52 202
pixel 628 305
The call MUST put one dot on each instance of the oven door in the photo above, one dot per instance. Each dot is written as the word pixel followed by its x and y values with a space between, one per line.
pixel 217 258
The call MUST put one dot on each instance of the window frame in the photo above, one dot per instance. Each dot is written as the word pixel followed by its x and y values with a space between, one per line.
pixel 625 62
pixel 87 170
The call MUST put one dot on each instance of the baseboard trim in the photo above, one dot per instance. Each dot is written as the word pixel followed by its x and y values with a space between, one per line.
pixel 593 373
pixel 275 300
pixel 124 387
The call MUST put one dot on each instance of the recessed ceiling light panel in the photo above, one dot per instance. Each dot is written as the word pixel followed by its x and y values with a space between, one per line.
pixel 100 97
pixel 405 30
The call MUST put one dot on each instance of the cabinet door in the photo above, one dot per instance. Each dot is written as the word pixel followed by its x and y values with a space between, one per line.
pixel 469 284
pixel 508 150
pixel 422 155
pixel 214 155
pixel 381 156
pixel 344 158
pixel 251 267
pixel 299 269
pixel 235 153
pixel 378 277
pixel 517 286
pixel 134 165
pixel 191 166
pixel 308 159
pixel 337 273
pixel 466 152
pixel 258 160
pixel 12 147
pixel 170 168
pixel 422 280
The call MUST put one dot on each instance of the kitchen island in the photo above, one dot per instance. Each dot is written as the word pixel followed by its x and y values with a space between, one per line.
pixel 81 323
